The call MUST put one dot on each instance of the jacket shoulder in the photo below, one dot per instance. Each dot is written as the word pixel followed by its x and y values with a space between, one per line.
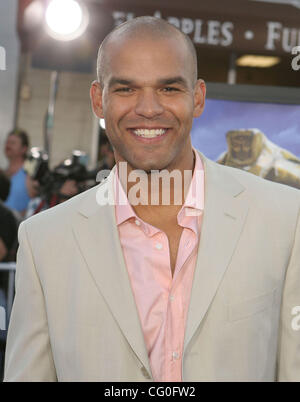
pixel 259 190
pixel 61 214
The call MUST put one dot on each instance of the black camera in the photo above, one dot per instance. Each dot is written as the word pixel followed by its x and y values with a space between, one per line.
pixel 51 181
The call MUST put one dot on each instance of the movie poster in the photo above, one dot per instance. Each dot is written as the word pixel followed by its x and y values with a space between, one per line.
pixel 261 138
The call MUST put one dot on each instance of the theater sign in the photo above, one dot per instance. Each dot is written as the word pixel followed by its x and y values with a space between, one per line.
pixel 237 32
pixel 272 35
pixel 261 26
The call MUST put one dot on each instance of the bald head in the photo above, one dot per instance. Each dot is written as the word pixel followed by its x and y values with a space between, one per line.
pixel 146 28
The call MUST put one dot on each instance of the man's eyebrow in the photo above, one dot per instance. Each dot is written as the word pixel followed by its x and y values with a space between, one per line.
pixel 121 81
pixel 163 81
pixel 173 80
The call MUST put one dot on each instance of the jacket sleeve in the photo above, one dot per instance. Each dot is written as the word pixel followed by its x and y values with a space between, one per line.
pixel 28 351
pixel 289 336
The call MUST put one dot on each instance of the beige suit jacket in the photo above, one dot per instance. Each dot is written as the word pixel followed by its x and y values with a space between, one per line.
pixel 74 317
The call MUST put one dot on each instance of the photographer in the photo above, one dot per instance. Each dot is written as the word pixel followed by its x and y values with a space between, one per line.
pixel 38 204
pixel 66 180
pixel 106 154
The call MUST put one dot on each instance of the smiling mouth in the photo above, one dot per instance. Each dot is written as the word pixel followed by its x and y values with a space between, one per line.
pixel 149 133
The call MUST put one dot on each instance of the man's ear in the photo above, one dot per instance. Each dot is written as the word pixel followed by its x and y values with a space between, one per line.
pixel 96 99
pixel 199 98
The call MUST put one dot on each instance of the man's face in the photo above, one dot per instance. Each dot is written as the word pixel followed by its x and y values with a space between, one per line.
pixel 148 101
pixel 14 147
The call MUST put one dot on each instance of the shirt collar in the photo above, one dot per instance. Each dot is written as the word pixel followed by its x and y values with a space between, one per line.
pixel 193 205
pixel 195 195
pixel 124 210
pixel 192 209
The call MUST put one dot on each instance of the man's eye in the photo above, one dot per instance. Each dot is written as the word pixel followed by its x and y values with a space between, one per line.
pixel 170 89
pixel 123 89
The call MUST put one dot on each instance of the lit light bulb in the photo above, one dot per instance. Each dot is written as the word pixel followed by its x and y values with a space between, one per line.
pixel 65 19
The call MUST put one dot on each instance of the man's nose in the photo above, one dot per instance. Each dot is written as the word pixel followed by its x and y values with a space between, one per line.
pixel 148 104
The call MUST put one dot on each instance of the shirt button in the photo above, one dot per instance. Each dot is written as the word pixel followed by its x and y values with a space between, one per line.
pixel 159 246
pixel 138 223
pixel 171 298
pixel 175 355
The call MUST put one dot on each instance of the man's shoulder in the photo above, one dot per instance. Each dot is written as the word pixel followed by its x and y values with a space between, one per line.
pixel 255 187
pixel 252 181
pixel 61 214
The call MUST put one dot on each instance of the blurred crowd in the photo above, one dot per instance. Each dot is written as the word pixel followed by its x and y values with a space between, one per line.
pixel 27 186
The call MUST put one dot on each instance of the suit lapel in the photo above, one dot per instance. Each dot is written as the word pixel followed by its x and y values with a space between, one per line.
pixel 225 212
pixel 97 236
pixel 96 232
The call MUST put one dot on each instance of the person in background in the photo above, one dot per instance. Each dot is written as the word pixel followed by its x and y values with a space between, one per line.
pixel 8 222
pixel 106 154
pixel 8 246
pixel 4 186
pixel 37 204
pixel 16 148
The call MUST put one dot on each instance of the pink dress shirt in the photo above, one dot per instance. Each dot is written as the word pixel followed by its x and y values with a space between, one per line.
pixel 162 300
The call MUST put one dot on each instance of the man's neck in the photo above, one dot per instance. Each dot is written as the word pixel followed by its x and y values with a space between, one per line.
pixel 14 166
pixel 161 192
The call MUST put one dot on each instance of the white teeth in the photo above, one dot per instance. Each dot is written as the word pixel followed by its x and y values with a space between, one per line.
pixel 144 132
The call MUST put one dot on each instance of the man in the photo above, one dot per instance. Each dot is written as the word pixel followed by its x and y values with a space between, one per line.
pixel 106 153
pixel 8 222
pixel 16 148
pixel 8 238
pixel 200 289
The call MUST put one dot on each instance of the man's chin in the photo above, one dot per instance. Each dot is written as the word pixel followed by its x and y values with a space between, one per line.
pixel 148 167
